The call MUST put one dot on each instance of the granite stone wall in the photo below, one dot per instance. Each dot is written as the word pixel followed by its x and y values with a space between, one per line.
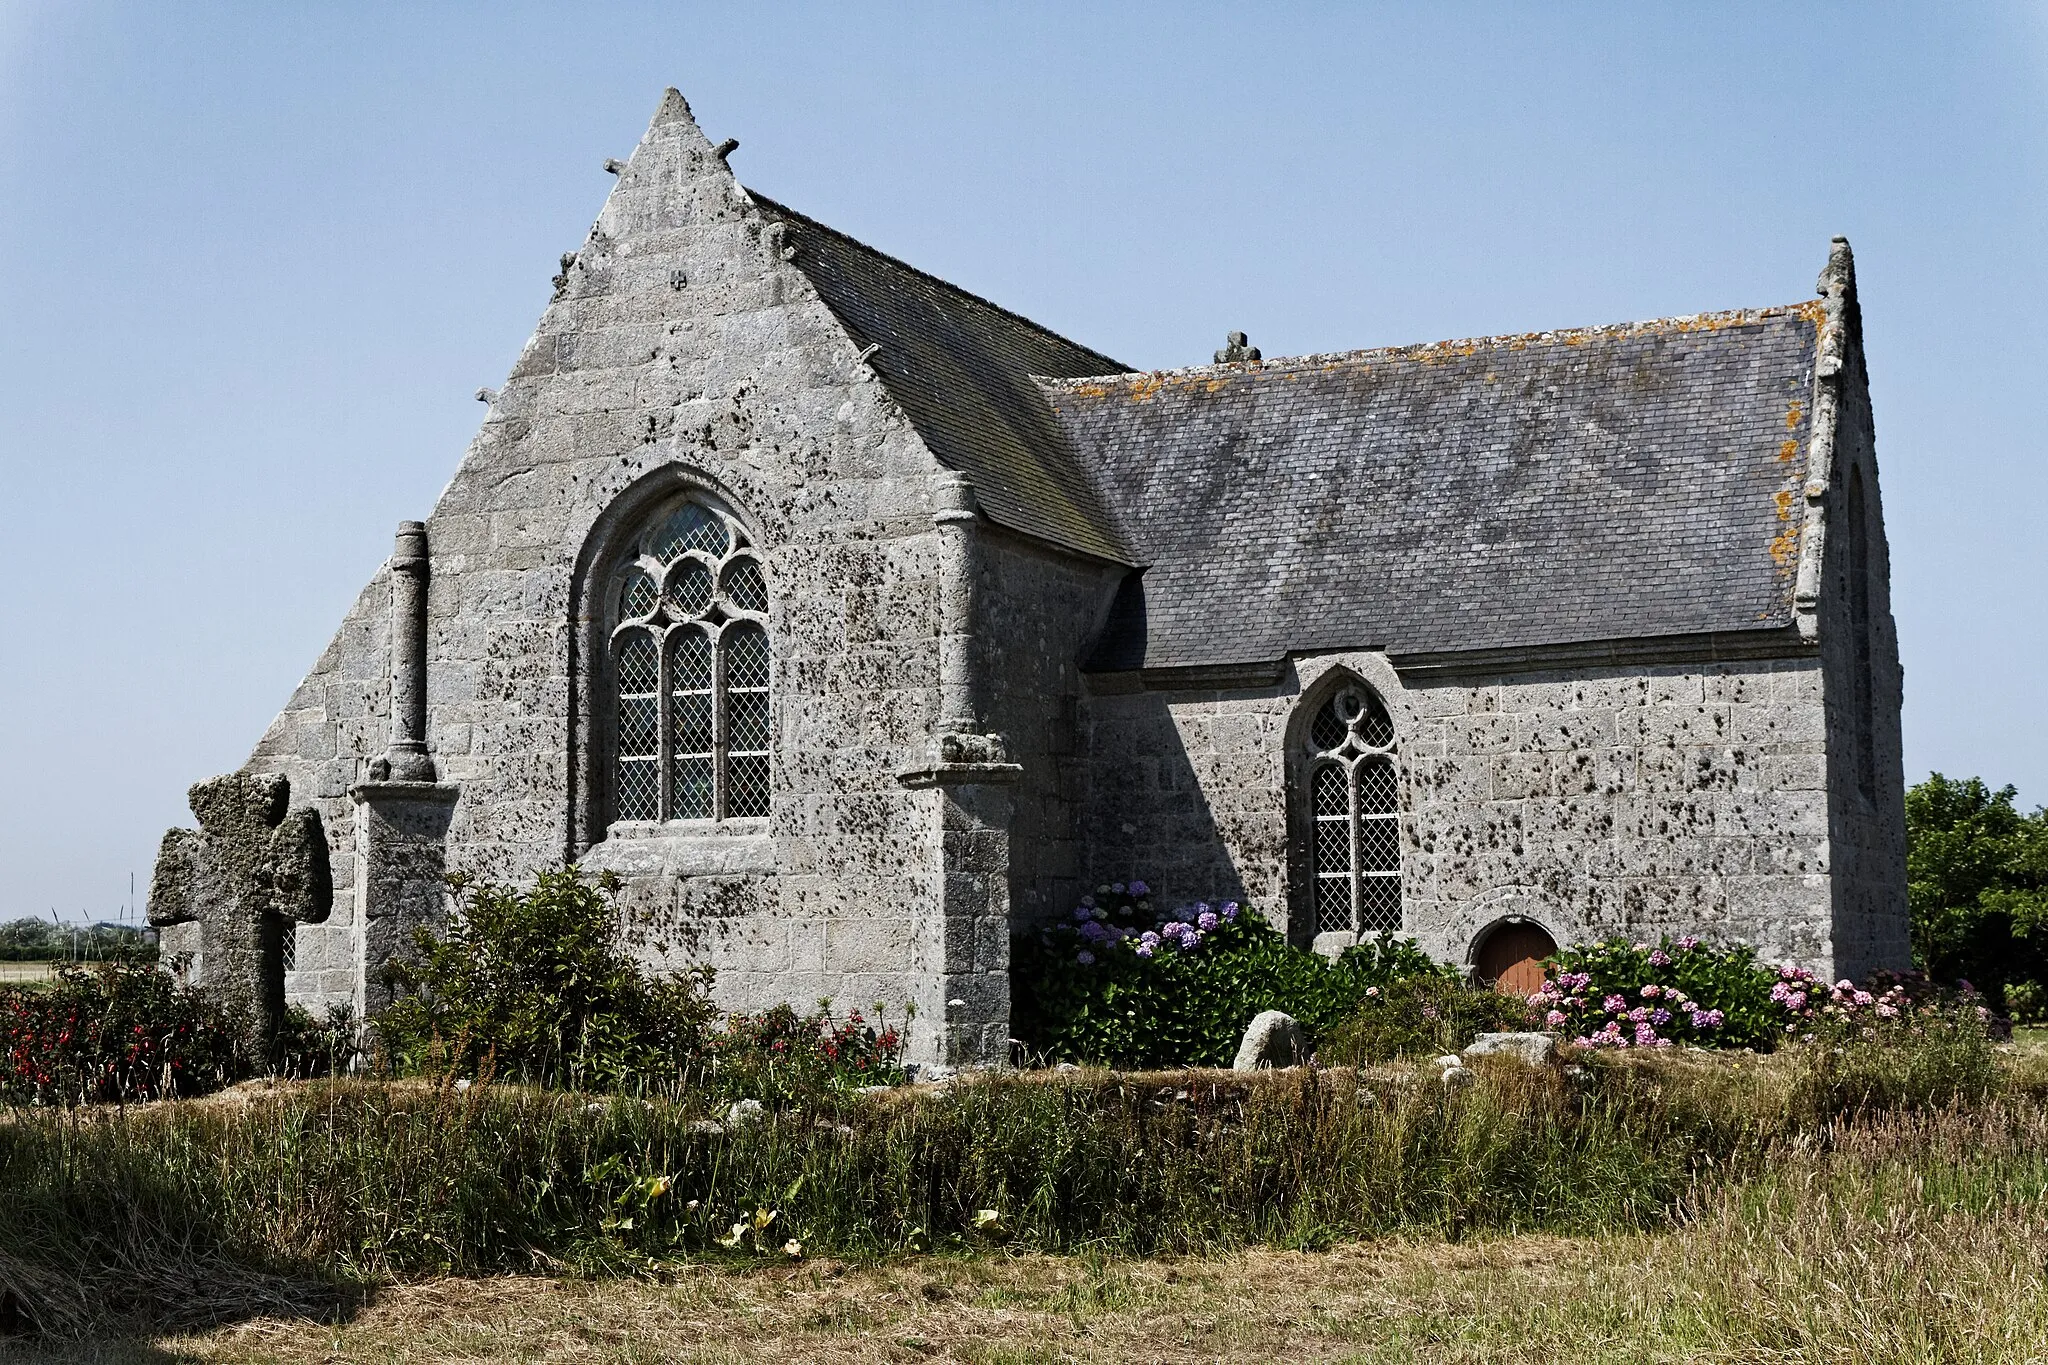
pixel 1859 647
pixel 1689 798
pixel 682 348
pixel 1040 610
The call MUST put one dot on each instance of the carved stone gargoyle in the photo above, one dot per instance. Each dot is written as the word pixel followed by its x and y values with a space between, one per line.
pixel 252 864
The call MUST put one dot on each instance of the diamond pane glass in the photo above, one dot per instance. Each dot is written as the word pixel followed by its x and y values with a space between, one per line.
pixel 692 792
pixel 1333 847
pixel 744 586
pixel 639 727
pixel 1333 903
pixel 637 664
pixel 1379 904
pixel 1333 799
pixel 746 792
pixel 746 721
pixel 693 722
pixel 1374 727
pixel 690 527
pixel 689 588
pixel 288 947
pixel 638 788
pixel 1379 844
pixel 1327 731
pixel 1378 793
pixel 637 596
pixel 690 666
pixel 746 658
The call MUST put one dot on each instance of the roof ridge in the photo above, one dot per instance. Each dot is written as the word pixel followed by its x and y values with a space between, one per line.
pixel 1116 366
pixel 1683 322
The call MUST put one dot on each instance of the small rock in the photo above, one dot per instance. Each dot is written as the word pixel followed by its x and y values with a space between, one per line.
pixel 744 1112
pixel 874 1090
pixel 1066 1066
pixel 1534 1049
pixel 707 1127
pixel 1273 1040
pixel 593 1108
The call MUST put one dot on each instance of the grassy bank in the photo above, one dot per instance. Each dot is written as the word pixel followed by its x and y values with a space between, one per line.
pixel 300 1201
pixel 1902 1239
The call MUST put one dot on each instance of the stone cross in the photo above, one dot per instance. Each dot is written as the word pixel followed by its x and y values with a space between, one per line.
pixel 1236 347
pixel 252 864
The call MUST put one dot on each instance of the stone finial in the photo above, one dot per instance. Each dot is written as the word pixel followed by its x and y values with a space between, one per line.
pixel 252 864
pixel 1236 348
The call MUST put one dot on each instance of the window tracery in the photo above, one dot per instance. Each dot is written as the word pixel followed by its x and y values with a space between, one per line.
pixel 690 666
pixel 1354 802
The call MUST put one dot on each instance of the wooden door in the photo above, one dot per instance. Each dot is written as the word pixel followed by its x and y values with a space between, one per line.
pixel 1512 958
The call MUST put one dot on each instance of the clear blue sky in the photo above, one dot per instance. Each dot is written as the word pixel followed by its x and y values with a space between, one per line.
pixel 258 258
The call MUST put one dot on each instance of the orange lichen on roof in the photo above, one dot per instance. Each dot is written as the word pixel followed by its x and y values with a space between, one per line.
pixel 1784 504
pixel 1788 451
pixel 1209 378
pixel 1785 547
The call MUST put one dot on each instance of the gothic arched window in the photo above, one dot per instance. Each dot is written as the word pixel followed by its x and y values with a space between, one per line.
pixel 689 651
pixel 1354 824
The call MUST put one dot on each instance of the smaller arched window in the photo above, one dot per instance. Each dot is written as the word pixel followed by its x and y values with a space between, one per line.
pixel 689 651
pixel 1354 824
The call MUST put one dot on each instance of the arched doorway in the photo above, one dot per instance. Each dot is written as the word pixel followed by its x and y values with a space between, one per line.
pixel 1510 957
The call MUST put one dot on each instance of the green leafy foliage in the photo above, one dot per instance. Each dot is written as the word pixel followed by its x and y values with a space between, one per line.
pixel 544 983
pixel 1673 991
pixel 114 1032
pixel 542 986
pixel 1124 985
pixel 1977 884
pixel 1421 1013
pixel 785 1059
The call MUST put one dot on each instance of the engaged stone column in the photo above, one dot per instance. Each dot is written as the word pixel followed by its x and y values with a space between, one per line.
pixel 964 940
pixel 402 813
pixel 405 752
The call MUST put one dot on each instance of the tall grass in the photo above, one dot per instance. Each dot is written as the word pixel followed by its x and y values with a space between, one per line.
pixel 184 1213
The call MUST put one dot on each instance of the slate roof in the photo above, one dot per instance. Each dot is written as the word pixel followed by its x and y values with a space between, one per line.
pixel 962 369
pixel 1603 484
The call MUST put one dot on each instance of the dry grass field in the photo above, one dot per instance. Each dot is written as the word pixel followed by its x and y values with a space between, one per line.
pixel 1915 1293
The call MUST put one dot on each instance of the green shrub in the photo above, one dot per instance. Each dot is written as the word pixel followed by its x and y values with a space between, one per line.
pixel 1420 1014
pixel 114 1032
pixel 543 983
pixel 1124 985
pixel 542 986
pixel 1903 1045
pixel 1615 993
pixel 1977 885
pixel 785 1059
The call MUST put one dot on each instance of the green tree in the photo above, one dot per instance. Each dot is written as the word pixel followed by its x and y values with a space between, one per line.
pixel 1977 874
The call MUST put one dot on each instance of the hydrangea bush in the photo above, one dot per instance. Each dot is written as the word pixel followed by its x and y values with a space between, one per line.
pixel 1620 994
pixel 1126 981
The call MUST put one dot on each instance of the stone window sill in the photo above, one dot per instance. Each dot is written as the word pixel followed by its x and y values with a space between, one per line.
pixel 683 848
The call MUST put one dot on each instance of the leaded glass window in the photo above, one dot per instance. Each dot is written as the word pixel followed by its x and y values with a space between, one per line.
pixel 1354 820
pixel 690 669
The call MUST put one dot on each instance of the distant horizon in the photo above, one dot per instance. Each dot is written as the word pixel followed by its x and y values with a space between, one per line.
pixel 264 257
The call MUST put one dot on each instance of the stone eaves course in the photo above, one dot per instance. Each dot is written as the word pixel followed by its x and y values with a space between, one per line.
pixel 1604 484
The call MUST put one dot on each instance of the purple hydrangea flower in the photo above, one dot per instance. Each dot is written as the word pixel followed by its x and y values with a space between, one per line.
pixel 1614 1004
pixel 1555 1019
pixel 1230 909
pixel 1085 958
pixel 1688 943
pixel 1140 889
pixel 1144 949
pixel 1660 958
pixel 1207 920
pixel 1117 887
pixel 1148 941
pixel 1660 1017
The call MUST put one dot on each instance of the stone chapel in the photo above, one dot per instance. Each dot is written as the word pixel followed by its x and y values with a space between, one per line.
pixel 855 622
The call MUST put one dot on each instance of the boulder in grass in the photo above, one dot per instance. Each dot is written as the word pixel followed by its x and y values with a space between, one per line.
pixel 1533 1049
pixel 1273 1040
